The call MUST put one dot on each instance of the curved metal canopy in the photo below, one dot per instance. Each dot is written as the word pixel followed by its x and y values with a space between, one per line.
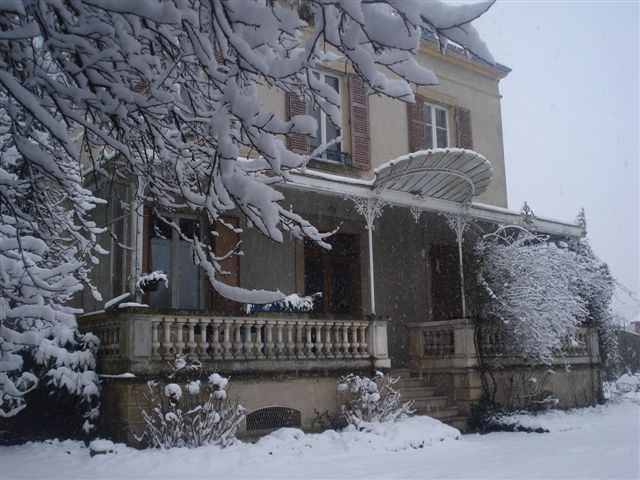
pixel 453 174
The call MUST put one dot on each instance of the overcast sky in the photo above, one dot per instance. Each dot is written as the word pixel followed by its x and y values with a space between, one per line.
pixel 570 118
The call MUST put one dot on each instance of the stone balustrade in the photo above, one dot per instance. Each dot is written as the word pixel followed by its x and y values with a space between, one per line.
pixel 220 338
pixel 453 343
pixel 140 341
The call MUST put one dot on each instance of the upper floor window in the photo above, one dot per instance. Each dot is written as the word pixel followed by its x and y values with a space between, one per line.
pixel 327 131
pixel 436 126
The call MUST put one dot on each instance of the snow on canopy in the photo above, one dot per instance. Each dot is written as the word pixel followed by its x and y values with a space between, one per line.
pixel 164 93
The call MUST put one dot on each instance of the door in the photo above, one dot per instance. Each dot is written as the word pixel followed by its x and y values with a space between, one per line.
pixel 445 282
pixel 335 273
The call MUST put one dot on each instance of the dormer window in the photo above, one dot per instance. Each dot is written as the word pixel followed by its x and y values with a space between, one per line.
pixel 436 126
pixel 327 131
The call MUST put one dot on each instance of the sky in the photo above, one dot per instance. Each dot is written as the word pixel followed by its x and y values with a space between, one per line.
pixel 570 119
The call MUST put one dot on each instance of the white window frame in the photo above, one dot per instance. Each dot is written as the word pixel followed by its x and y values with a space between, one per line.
pixel 433 128
pixel 322 127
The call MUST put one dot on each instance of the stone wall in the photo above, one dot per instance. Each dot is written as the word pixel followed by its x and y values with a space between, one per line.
pixel 311 395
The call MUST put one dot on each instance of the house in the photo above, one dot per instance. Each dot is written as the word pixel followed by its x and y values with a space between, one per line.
pixel 408 189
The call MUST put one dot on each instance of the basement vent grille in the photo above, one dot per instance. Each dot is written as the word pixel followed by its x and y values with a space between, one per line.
pixel 271 418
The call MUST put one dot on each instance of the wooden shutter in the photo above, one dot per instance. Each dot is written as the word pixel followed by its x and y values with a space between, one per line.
pixel 296 142
pixel 417 139
pixel 225 241
pixel 359 115
pixel 464 138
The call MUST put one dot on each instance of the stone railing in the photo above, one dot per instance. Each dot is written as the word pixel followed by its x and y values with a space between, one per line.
pixel 452 343
pixel 141 342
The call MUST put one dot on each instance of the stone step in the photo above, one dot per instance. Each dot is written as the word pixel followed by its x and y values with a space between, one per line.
pixel 410 393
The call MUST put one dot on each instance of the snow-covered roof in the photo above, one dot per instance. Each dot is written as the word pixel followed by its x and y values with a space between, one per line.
pixel 453 174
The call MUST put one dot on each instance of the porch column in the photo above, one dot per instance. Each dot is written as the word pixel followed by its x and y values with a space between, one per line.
pixel 370 209
pixel 458 222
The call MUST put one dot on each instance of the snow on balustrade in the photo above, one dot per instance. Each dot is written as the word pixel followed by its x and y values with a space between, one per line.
pixel 223 338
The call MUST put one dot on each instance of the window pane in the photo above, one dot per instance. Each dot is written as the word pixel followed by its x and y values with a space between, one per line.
pixel 187 278
pixel 190 227
pixel 429 137
pixel 161 260
pixel 441 118
pixel 314 111
pixel 188 275
pixel 333 81
pixel 427 115
pixel 441 135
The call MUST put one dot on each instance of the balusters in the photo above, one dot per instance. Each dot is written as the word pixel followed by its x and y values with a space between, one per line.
pixel 226 340
pixel 179 343
pixel 280 346
pixel 203 344
pixel 259 339
pixel 308 327
pixel 328 345
pixel 155 340
pixel 364 352
pixel 167 344
pixel 299 344
pixel 191 337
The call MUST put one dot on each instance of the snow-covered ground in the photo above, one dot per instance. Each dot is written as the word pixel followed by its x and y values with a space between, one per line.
pixel 600 442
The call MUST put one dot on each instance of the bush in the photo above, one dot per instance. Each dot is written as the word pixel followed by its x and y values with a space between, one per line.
pixel 200 414
pixel 363 400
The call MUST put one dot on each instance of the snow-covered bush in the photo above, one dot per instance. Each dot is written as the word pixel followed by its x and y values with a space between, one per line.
pixel 596 286
pixel 366 400
pixel 531 288
pixel 627 387
pixel 193 414
pixel 539 291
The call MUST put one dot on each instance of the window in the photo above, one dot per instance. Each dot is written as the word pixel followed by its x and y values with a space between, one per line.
pixel 436 126
pixel 327 131
pixel 168 252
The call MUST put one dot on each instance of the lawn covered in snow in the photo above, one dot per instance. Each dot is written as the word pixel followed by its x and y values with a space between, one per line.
pixel 599 442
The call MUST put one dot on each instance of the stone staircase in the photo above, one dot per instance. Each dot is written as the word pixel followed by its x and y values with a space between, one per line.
pixel 425 400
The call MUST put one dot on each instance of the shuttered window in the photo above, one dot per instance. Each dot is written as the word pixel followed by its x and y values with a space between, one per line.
pixel 429 126
pixel 359 155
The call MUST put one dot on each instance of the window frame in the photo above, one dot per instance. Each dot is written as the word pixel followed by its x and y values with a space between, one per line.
pixel 322 127
pixel 432 134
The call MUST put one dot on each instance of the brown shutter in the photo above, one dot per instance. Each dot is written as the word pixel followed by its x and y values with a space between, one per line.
pixel 225 241
pixel 417 139
pixel 359 114
pixel 464 137
pixel 296 142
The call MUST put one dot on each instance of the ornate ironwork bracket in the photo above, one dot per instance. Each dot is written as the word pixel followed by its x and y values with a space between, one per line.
pixel 369 208
pixel 458 222
pixel 415 213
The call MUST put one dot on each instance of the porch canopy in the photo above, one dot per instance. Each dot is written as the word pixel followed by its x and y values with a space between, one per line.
pixel 452 174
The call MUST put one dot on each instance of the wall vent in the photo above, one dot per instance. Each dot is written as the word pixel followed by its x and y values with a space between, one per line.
pixel 271 418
